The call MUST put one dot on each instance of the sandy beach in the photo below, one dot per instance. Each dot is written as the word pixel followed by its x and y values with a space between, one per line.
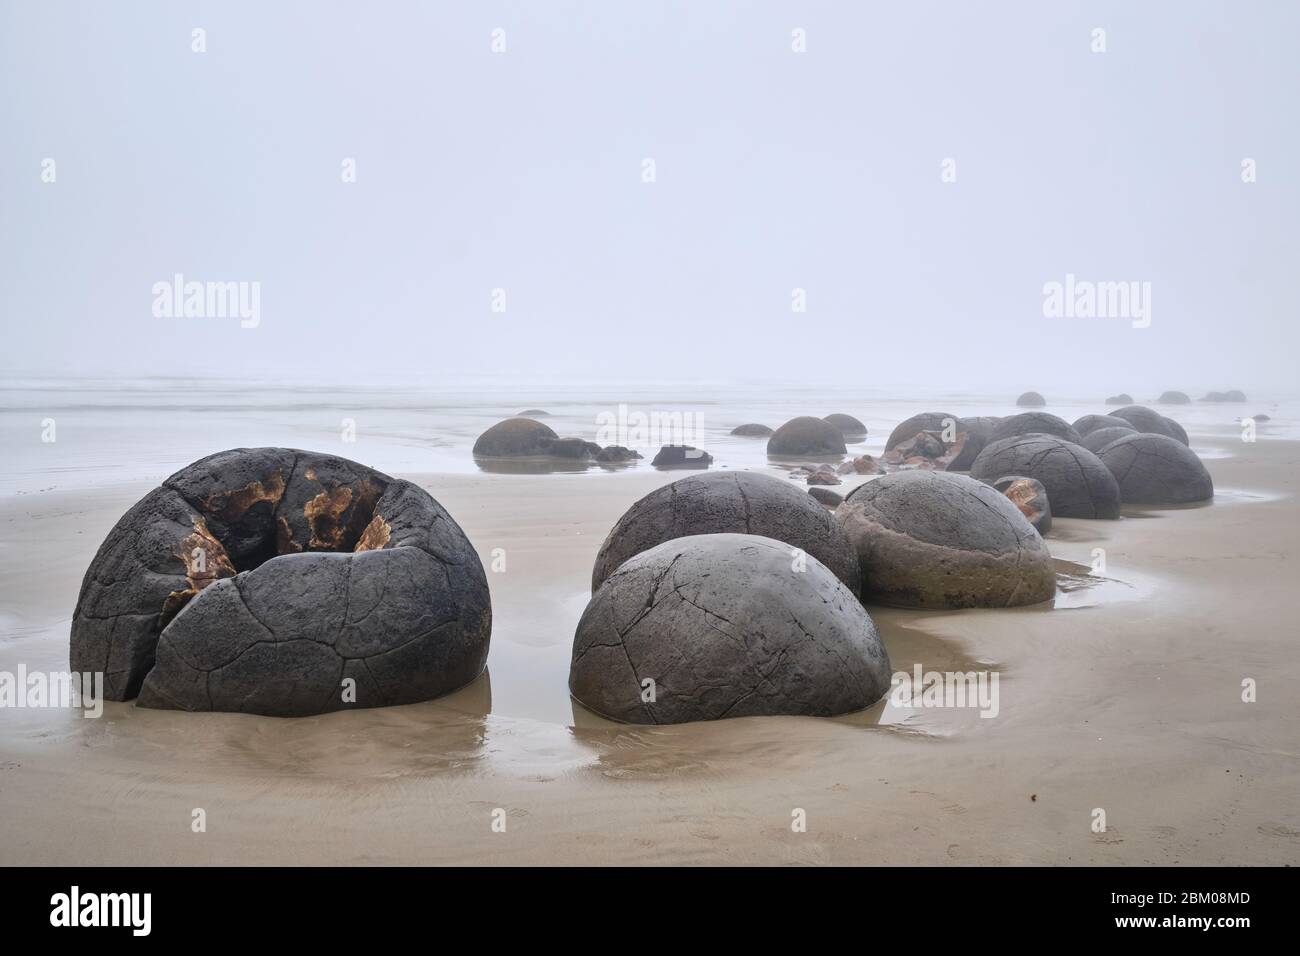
pixel 1126 696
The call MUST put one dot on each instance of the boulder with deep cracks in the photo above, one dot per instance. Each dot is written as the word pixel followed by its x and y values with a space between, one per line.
pixel 283 582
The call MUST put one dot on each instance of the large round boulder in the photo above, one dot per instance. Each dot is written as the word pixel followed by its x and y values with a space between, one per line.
pixel 740 502
pixel 806 435
pixel 1078 484
pixel 725 625
pixel 850 427
pixel 752 430
pixel 1157 470
pixel 924 422
pixel 1174 398
pixel 1144 419
pixel 283 582
pixel 1090 423
pixel 515 438
pixel 1095 441
pixel 1034 423
pixel 1031 400
pixel 939 540
pixel 979 432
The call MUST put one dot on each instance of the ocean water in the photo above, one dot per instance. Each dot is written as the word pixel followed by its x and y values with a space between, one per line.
pixel 66 434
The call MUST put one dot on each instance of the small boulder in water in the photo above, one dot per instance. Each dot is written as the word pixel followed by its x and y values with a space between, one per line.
pixel 682 456
pixel 850 427
pixel 1174 398
pixel 1123 398
pixel 806 435
pixel 752 430
pixel 1031 400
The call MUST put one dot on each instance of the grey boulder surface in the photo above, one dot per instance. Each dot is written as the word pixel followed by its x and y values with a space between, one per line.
pixel 1078 484
pixel 1144 419
pixel 1174 398
pixel 979 432
pixel 850 427
pixel 1088 424
pixel 1034 423
pixel 831 499
pixel 806 436
pixel 1123 398
pixel 752 430
pixel 1031 400
pixel 515 437
pixel 1095 441
pixel 1157 470
pixel 939 540
pixel 1030 497
pixel 713 626
pixel 259 579
pixel 681 457
pixel 924 422
pixel 739 502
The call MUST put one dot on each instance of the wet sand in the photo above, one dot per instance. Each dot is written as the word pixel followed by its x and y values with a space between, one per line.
pixel 1126 697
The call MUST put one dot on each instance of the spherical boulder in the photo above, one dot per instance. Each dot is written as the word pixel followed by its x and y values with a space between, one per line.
pixel 1144 419
pixel 725 625
pixel 752 430
pixel 1123 398
pixel 1034 423
pixel 1230 396
pixel 1157 470
pixel 1095 441
pixel 738 502
pixel 1174 398
pixel 924 422
pixel 515 438
pixel 850 427
pixel 1030 497
pixel 1090 423
pixel 938 540
pixel 806 435
pixel 1031 400
pixel 1078 484
pixel 261 579
pixel 979 432
pixel 1176 430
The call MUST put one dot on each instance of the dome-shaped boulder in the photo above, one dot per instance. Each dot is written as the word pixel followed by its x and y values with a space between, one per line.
pixel 1078 484
pixel 1123 398
pixel 737 502
pixel 752 430
pixel 850 427
pixel 725 625
pixel 806 436
pixel 1157 470
pixel 1034 423
pixel 515 438
pixel 1031 400
pixel 1174 398
pixel 1095 441
pixel 1090 423
pixel 924 422
pixel 1144 419
pixel 939 540
pixel 1176 431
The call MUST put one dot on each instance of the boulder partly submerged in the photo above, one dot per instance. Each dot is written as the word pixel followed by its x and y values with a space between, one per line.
pixel 262 579
pixel 939 540
pixel 1173 398
pixel 806 436
pixel 1078 484
pixel 752 430
pixel 1157 470
pixel 1031 400
pixel 1233 395
pixel 1123 398
pixel 850 427
pixel 681 457
pixel 740 502
pixel 712 626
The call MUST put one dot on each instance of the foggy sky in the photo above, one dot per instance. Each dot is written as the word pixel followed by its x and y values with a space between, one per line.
pixel 775 170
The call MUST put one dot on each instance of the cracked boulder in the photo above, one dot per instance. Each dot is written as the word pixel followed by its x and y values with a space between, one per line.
pixel 262 579
pixel 1095 441
pixel 1078 484
pixel 1176 431
pixel 1030 497
pixel 739 502
pixel 712 626
pixel 806 435
pixel 939 540
pixel 1034 423
pixel 924 422
pixel 1157 470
